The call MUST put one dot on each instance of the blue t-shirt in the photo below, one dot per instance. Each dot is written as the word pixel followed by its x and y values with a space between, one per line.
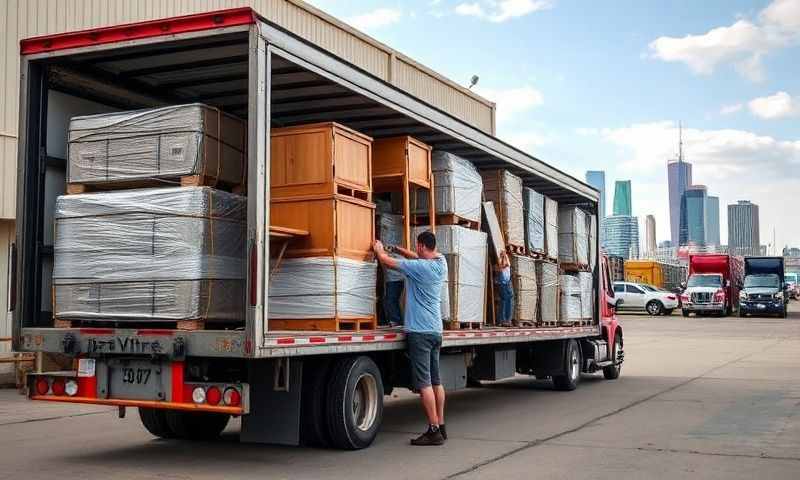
pixel 424 279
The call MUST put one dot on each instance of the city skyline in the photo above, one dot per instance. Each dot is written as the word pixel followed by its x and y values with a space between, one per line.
pixel 744 232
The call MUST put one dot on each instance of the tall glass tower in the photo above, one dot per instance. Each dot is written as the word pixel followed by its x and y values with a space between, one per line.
pixel 679 177
pixel 693 216
pixel 712 220
pixel 622 198
pixel 597 179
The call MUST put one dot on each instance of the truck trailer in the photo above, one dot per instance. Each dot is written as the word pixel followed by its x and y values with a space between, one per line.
pixel 764 290
pixel 289 387
pixel 713 285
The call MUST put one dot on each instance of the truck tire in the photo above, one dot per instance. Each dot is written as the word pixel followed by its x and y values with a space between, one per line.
pixel 612 372
pixel 313 419
pixel 196 425
pixel 654 308
pixel 354 403
pixel 668 311
pixel 572 368
pixel 155 421
pixel 685 312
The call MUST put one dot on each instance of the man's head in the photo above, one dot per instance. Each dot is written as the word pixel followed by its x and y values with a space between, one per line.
pixel 426 244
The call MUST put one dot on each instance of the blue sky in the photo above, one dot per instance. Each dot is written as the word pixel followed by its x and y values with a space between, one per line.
pixel 602 85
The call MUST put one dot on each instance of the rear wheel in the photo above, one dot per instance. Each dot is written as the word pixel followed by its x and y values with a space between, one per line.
pixel 654 307
pixel 685 312
pixel 354 403
pixel 612 372
pixel 155 421
pixel 572 368
pixel 313 420
pixel 196 425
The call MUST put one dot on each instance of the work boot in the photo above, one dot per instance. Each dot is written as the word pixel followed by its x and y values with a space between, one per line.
pixel 431 437
pixel 443 431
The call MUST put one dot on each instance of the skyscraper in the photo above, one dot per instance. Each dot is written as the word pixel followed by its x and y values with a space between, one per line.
pixel 712 220
pixel 743 228
pixel 622 198
pixel 597 179
pixel 622 236
pixel 679 177
pixel 693 215
pixel 650 235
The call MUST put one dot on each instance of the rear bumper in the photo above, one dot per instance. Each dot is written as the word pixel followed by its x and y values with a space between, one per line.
pixel 704 307
pixel 188 407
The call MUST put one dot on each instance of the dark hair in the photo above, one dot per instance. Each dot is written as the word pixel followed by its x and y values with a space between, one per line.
pixel 428 239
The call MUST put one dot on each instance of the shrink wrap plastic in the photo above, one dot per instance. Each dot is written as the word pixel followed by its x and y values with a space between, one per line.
pixel 551 227
pixel 150 254
pixel 465 251
pixel 547 286
pixel 570 298
pixel 390 232
pixel 165 142
pixel 526 297
pixel 591 222
pixel 534 220
pixel 573 240
pixel 322 287
pixel 457 187
pixel 504 189
pixel 587 285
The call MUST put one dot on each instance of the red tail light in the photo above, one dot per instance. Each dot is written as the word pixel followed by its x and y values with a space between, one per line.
pixel 671 297
pixel 58 386
pixel 213 396
pixel 232 397
pixel 42 387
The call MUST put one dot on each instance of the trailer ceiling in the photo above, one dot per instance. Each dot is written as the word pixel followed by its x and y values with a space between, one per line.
pixel 214 70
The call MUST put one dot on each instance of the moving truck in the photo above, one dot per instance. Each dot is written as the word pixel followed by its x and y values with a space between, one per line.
pixel 764 289
pixel 289 387
pixel 644 271
pixel 713 284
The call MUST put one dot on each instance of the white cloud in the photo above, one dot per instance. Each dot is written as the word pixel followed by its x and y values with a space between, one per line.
pixel 780 105
pixel 729 109
pixel 528 140
pixel 744 43
pixel 501 11
pixel 512 101
pixel 375 19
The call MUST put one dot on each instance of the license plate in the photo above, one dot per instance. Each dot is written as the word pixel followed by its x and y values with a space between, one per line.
pixel 86 367
pixel 761 306
pixel 136 379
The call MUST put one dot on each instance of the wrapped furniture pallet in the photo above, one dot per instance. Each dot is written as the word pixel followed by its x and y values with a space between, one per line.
pixel 465 251
pixel 591 228
pixel 193 144
pixel 551 228
pixel 322 293
pixel 161 254
pixel 573 240
pixel 586 281
pixel 547 286
pixel 390 232
pixel 534 221
pixel 504 189
pixel 457 188
pixel 570 300
pixel 526 297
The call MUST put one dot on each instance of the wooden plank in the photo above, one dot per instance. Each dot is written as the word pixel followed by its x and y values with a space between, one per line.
pixel 493 229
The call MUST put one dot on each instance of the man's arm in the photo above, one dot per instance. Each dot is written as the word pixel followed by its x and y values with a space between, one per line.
pixel 406 252
pixel 384 257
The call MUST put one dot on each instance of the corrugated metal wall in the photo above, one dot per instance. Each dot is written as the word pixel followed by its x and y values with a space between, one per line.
pixel 26 18
pixel 6 237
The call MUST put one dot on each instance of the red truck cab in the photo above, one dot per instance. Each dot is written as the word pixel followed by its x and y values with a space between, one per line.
pixel 713 285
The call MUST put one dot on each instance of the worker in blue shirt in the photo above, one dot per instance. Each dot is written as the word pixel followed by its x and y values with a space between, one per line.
pixel 425 271
pixel 506 290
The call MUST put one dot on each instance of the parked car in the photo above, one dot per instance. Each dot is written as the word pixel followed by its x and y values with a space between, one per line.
pixel 641 296
pixel 793 285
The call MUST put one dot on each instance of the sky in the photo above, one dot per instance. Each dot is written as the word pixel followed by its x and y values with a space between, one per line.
pixel 588 85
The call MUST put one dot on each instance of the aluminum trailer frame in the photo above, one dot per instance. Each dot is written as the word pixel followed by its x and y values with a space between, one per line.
pixel 266 43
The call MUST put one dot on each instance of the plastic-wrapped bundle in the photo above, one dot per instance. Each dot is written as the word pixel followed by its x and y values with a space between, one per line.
pixel 465 251
pixel 586 280
pixel 322 287
pixel 504 189
pixel 390 232
pixel 457 187
pixel 570 310
pixel 534 220
pixel 526 296
pixel 551 228
pixel 161 143
pixel 591 225
pixel 150 254
pixel 573 240
pixel 547 285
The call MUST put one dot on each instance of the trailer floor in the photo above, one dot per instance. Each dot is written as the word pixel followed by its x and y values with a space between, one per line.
pixel 698 398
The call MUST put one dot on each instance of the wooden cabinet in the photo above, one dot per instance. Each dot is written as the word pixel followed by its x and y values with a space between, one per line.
pixel 320 159
pixel 339 225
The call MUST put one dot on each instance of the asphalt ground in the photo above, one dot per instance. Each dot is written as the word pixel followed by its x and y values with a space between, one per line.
pixel 715 398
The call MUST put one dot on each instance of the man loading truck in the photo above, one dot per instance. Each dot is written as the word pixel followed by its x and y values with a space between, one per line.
pixel 425 271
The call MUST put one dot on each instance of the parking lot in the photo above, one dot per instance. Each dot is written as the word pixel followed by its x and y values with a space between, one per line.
pixel 698 398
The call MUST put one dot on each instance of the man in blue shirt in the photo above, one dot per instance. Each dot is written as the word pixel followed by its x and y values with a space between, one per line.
pixel 425 271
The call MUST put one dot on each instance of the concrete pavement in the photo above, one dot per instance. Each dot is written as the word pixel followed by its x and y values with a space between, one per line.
pixel 698 398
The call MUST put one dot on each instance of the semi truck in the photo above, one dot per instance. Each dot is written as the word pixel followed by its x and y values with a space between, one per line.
pixel 764 290
pixel 713 284
pixel 289 387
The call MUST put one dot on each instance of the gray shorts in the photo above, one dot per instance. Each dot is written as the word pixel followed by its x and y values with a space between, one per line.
pixel 423 351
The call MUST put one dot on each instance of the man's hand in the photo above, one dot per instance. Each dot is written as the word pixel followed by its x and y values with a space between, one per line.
pixel 382 256
pixel 378 247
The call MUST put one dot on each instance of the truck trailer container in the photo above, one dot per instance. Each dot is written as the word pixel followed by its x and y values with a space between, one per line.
pixel 764 290
pixel 713 285
pixel 289 387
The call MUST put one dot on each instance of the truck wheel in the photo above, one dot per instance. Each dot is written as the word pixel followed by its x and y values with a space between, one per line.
pixel 572 367
pixel 685 312
pixel 354 403
pixel 668 311
pixel 654 307
pixel 313 422
pixel 155 421
pixel 196 425
pixel 612 372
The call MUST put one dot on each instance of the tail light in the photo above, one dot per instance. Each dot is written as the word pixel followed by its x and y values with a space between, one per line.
pixel 719 296
pixel 42 387
pixel 199 395
pixel 58 386
pixel 71 388
pixel 213 396
pixel 671 297
pixel 232 397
